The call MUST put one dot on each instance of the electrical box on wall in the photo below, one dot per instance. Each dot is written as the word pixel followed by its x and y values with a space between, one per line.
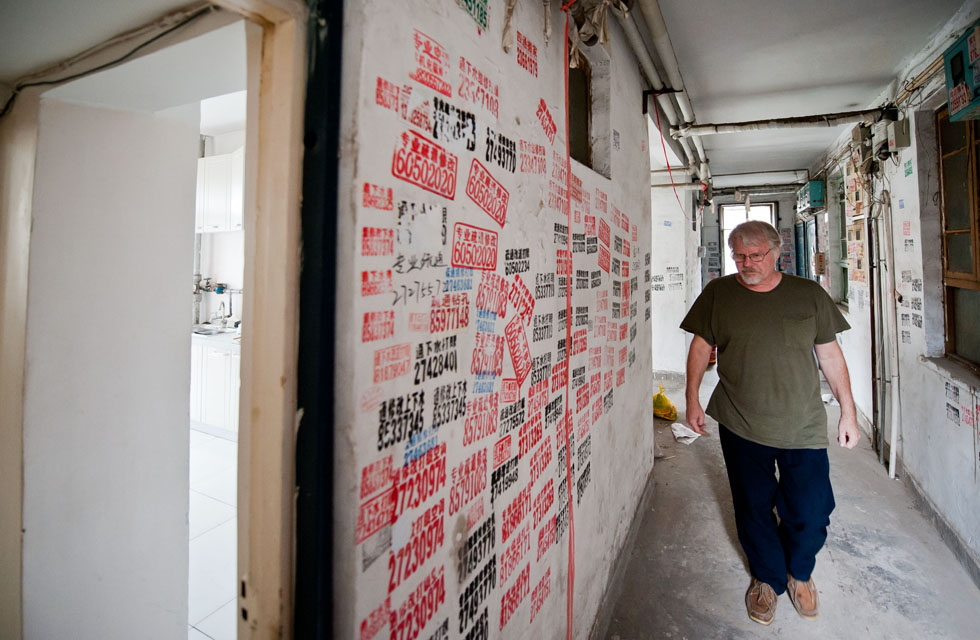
pixel 960 62
pixel 811 196
pixel 898 135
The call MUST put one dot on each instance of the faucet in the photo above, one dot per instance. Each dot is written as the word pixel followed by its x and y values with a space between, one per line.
pixel 220 314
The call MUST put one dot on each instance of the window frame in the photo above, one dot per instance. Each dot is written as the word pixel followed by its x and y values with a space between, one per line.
pixel 953 280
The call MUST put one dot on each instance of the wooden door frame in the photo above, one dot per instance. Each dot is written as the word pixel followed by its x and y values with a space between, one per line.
pixel 270 336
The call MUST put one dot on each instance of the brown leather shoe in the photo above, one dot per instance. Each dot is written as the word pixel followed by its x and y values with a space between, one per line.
pixel 760 601
pixel 803 595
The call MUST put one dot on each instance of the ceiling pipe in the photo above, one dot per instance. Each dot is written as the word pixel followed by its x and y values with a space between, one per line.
pixel 797 122
pixel 683 186
pixel 650 72
pixel 760 189
pixel 654 18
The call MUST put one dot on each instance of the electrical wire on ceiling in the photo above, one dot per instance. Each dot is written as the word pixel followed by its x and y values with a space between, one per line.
pixel 670 173
pixel 26 82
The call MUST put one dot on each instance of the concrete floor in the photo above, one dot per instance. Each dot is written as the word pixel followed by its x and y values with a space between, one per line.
pixel 884 572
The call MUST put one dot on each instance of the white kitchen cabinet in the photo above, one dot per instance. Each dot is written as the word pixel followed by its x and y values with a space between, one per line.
pixel 220 188
pixel 234 391
pixel 197 384
pixel 236 190
pixel 217 367
pixel 215 383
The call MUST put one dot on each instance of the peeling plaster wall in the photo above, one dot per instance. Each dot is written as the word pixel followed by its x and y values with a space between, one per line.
pixel 457 388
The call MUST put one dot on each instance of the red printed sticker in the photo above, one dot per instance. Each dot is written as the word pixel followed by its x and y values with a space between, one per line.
pixel 450 312
pixel 376 197
pixel 590 226
pixel 375 283
pixel 547 122
pixel 433 64
pixel 510 390
pixel 392 362
pixel 520 355
pixel 540 593
pixel 515 595
pixel 582 397
pixel 575 188
pixel 634 233
pixel 487 192
pixel 547 536
pixel 376 620
pixel 481 418
pixel 376 476
pixel 604 231
pixel 477 88
pixel 475 513
pixel 563 262
pixel 375 514
pixel 521 299
pixel 371 398
pixel 534 158
pixel 378 325
pixel 488 354
pixel 377 242
pixel 492 294
pixel 604 258
pixel 474 248
pixel 600 201
pixel 469 479
pixel 423 163
pixel 419 322
pixel 501 451
pixel 527 54
pixel 386 94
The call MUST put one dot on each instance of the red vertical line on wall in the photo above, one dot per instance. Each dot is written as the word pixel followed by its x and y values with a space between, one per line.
pixel 568 343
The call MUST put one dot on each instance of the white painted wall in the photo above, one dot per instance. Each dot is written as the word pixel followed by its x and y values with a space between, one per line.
pixel 621 438
pixel 674 248
pixel 106 392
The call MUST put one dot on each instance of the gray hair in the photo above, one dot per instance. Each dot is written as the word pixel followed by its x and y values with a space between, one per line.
pixel 754 232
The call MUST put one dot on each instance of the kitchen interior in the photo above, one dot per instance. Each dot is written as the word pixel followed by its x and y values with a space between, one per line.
pixel 216 330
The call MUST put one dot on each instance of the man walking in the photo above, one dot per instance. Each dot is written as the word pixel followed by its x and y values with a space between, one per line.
pixel 766 326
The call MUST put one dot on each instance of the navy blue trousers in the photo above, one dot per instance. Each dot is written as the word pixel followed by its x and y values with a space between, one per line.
pixel 802 496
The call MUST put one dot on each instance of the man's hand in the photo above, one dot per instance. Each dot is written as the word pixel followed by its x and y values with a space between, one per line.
pixel 695 416
pixel 697 363
pixel 848 433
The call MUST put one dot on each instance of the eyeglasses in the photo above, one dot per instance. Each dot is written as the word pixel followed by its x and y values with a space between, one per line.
pixel 754 257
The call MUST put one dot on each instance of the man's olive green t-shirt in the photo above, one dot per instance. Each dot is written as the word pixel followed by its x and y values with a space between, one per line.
pixel 769 388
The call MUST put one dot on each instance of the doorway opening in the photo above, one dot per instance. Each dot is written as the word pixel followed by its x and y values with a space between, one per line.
pixel 141 176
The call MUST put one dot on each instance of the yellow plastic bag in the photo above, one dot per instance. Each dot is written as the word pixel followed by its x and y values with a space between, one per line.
pixel 663 408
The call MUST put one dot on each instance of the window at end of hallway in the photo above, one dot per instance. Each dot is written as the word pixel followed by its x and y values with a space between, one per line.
pixel 959 166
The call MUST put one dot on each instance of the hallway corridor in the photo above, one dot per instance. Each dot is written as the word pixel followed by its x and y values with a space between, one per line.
pixel 884 573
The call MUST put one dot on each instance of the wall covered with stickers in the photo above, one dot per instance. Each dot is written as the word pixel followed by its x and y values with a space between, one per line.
pixel 494 387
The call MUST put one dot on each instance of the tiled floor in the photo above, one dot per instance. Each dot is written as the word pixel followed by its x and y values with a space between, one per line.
pixel 212 598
